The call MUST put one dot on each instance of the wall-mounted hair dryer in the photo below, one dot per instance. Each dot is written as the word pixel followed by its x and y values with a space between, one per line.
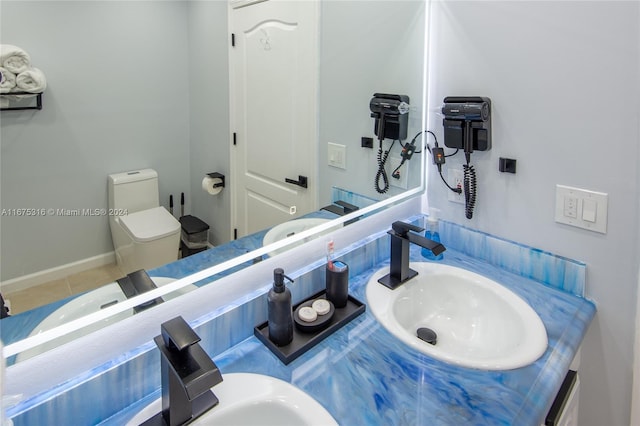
pixel 467 126
pixel 467 123
pixel 391 114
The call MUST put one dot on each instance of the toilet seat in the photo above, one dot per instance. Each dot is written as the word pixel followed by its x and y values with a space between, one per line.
pixel 151 224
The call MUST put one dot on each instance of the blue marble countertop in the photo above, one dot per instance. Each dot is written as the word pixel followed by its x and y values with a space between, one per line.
pixel 362 374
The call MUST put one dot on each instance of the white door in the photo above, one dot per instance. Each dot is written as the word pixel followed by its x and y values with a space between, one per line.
pixel 273 72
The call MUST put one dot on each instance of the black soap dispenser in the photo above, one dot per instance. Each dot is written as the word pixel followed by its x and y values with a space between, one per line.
pixel 279 310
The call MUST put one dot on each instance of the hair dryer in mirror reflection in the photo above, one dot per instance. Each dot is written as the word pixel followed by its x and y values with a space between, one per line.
pixel 391 118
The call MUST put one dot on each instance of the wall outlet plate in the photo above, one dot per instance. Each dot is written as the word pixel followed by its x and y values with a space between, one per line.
pixel 456 180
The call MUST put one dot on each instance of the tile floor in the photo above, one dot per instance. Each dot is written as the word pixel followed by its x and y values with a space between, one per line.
pixel 24 300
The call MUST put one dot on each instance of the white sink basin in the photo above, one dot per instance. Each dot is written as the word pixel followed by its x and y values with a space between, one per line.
pixel 478 322
pixel 254 399
pixel 288 229
pixel 85 304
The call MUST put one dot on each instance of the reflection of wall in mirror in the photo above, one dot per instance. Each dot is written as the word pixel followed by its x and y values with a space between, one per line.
pixel 130 92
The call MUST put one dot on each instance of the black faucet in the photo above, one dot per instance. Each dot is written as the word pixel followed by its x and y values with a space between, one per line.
pixel 188 374
pixel 401 237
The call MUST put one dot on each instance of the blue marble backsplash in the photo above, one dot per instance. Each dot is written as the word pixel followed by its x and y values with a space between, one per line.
pixel 556 271
pixel 135 375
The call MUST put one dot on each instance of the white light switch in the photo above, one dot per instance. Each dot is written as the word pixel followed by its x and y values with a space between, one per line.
pixel 589 209
pixel 337 155
pixel 582 208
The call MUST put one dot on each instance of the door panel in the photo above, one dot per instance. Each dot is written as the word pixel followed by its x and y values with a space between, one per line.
pixel 274 73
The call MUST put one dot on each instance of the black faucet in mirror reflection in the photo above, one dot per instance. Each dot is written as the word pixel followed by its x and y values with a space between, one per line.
pixel 402 235
pixel 135 284
pixel 342 208
pixel 188 374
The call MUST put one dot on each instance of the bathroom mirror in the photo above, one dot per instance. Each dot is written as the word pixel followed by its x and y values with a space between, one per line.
pixel 137 93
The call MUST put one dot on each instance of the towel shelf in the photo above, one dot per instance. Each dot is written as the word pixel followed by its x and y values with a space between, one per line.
pixel 37 106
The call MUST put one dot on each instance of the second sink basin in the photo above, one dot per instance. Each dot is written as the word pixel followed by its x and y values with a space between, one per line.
pixel 290 228
pixel 85 304
pixel 254 399
pixel 478 322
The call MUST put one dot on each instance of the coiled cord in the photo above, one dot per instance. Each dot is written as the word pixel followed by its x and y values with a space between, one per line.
pixel 470 187
pixel 382 173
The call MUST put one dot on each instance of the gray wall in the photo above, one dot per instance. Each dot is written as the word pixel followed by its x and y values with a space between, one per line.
pixel 117 99
pixel 209 112
pixel 563 78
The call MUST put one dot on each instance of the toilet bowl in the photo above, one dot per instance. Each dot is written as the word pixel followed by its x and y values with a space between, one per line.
pixel 145 235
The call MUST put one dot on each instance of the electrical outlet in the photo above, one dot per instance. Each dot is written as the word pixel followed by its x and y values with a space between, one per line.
pixel 392 163
pixel 456 180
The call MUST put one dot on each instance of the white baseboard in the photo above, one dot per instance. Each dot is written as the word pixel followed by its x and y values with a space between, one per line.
pixel 41 277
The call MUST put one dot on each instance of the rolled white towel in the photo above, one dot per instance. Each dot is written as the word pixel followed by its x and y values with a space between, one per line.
pixel 7 80
pixel 31 80
pixel 14 59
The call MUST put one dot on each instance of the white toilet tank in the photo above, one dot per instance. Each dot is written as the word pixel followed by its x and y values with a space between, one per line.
pixel 145 235
pixel 134 191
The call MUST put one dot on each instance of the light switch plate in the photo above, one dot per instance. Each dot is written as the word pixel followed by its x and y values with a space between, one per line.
pixel 582 208
pixel 337 155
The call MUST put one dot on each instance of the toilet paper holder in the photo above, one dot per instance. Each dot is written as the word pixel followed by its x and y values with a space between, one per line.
pixel 219 176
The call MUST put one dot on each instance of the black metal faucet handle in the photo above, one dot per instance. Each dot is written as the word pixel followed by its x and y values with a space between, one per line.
pixel 348 208
pixel 178 335
pixel 402 228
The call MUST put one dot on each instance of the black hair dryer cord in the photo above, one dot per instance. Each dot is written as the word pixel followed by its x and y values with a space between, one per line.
pixel 382 173
pixel 470 187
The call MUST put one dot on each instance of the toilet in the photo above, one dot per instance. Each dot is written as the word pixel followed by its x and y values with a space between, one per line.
pixel 145 235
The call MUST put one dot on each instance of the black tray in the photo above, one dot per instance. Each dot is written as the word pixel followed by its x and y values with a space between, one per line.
pixel 302 341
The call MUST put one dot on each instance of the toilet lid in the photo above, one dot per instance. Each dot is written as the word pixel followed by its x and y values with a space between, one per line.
pixel 151 224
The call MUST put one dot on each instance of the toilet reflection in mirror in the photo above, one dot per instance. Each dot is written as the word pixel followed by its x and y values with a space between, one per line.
pixel 145 235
